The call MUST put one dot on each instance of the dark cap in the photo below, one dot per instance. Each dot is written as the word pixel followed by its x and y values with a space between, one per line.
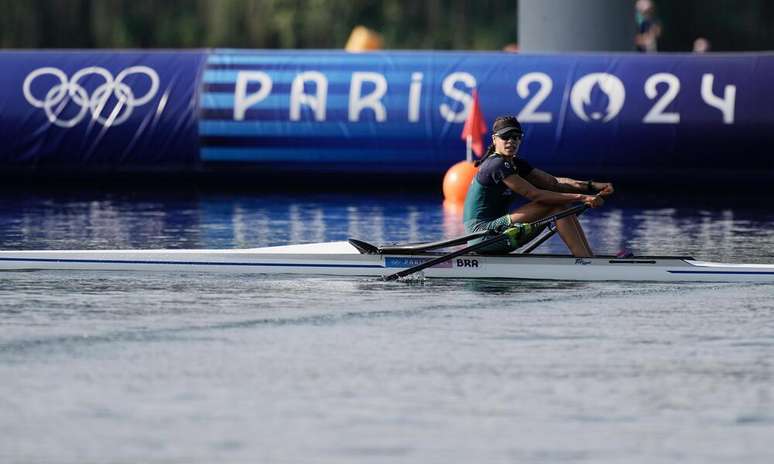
pixel 505 124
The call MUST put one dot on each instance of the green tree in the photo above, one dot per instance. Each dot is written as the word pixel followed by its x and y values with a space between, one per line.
pixel 435 24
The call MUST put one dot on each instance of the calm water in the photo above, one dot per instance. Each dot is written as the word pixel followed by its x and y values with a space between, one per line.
pixel 190 368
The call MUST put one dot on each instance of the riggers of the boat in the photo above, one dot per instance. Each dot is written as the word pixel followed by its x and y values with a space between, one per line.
pixel 343 259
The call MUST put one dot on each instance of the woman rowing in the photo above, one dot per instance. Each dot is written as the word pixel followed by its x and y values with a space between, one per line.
pixel 502 173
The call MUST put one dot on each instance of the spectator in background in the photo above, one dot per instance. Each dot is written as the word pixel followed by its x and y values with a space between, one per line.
pixel 701 45
pixel 648 27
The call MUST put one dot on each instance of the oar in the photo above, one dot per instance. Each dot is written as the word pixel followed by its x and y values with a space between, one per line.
pixel 412 248
pixel 409 248
pixel 511 232
pixel 541 240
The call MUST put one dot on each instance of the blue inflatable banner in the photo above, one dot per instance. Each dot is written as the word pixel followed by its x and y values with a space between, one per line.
pixel 111 109
pixel 404 111
pixel 607 115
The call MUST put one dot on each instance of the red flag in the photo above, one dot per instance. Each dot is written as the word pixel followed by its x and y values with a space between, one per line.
pixel 475 127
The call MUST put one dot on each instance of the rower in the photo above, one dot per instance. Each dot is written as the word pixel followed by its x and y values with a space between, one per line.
pixel 503 175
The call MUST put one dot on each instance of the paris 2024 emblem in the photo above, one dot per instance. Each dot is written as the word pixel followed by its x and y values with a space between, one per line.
pixel 595 88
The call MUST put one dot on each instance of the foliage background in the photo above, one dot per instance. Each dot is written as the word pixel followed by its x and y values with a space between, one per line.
pixel 430 24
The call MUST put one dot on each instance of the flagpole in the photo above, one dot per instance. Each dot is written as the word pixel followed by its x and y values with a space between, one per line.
pixel 469 145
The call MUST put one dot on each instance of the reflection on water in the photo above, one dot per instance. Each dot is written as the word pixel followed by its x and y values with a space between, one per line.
pixel 724 231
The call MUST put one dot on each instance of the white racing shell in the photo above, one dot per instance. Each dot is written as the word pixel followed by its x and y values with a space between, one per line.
pixel 343 259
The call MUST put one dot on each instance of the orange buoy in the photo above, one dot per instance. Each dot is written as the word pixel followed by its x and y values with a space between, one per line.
pixel 457 180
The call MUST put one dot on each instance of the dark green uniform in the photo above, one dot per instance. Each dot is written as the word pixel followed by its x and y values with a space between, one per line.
pixel 487 204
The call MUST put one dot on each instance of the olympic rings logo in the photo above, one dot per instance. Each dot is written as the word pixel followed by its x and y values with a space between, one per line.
pixel 70 90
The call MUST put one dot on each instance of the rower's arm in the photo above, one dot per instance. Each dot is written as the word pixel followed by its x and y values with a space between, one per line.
pixel 546 181
pixel 524 188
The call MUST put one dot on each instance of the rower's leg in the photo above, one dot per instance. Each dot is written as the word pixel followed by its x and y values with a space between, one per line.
pixel 533 211
pixel 582 233
pixel 573 236
pixel 569 228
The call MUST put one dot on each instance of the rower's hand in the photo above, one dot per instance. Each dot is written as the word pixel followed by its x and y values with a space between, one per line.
pixel 594 201
pixel 604 189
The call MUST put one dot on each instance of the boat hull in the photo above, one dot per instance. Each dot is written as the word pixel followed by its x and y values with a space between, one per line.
pixel 342 259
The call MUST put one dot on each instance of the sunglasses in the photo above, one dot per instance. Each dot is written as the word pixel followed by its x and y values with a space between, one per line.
pixel 514 137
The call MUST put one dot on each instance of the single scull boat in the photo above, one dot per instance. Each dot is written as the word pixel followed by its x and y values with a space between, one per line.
pixel 356 258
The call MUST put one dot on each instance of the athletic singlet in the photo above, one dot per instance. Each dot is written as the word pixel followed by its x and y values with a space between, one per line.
pixel 488 197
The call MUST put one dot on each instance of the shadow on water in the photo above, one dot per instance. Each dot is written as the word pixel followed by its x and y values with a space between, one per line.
pixel 519 287
pixel 486 286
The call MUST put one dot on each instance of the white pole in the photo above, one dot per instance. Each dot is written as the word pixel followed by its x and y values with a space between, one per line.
pixel 469 154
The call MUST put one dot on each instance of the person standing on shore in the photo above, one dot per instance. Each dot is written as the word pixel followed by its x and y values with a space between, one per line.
pixel 648 27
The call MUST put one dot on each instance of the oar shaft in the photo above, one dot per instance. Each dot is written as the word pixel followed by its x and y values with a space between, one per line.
pixel 540 240
pixel 435 245
pixel 544 238
pixel 550 234
pixel 577 209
